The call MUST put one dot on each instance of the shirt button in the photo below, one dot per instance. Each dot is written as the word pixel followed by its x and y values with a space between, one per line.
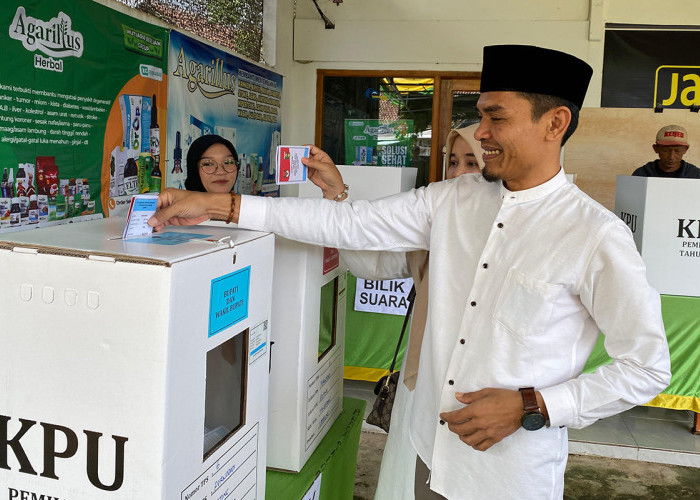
pixel 473 304
pixel 485 265
pixel 499 225
pixel 451 382
pixel 442 422
pixel 462 341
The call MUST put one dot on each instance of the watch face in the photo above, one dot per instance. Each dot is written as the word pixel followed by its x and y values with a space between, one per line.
pixel 533 421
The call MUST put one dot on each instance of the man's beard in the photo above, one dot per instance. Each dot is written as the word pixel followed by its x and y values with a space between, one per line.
pixel 488 176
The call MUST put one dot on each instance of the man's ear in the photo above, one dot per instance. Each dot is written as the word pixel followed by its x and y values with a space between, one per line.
pixel 558 122
pixel 656 148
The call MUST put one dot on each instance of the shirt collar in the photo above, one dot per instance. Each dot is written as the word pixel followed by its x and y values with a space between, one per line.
pixel 536 192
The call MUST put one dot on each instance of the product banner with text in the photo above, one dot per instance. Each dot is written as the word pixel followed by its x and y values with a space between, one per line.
pixel 371 142
pixel 82 90
pixel 213 92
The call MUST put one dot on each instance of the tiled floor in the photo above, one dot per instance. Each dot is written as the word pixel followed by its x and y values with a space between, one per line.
pixel 642 433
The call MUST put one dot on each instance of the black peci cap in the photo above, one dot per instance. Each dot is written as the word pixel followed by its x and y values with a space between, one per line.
pixel 526 68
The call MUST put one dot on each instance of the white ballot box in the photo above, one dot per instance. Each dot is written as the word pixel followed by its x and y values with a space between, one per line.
pixel 307 345
pixel 368 183
pixel 134 369
pixel 308 335
pixel 664 216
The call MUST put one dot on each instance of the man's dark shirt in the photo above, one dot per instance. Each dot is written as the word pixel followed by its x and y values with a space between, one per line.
pixel 651 169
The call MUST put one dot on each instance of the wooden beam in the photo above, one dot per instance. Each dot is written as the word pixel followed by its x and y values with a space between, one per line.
pixel 435 155
pixel 318 126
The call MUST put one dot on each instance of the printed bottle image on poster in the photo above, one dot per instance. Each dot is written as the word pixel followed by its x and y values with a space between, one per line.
pixel 68 69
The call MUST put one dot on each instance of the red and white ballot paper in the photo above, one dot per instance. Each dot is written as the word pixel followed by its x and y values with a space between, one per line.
pixel 290 169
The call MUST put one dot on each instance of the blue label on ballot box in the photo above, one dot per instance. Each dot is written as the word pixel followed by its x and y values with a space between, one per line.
pixel 228 303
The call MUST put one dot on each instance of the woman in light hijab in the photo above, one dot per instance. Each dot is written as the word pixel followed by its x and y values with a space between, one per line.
pixel 463 155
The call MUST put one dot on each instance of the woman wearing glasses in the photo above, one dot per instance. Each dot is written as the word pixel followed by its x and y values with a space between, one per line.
pixel 212 165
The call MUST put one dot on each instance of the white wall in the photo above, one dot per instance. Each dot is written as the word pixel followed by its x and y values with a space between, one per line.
pixel 653 12
pixel 442 35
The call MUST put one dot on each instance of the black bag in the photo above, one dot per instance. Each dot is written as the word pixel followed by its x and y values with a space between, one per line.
pixel 387 385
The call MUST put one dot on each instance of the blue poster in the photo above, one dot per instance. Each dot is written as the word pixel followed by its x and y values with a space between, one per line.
pixel 213 92
pixel 229 300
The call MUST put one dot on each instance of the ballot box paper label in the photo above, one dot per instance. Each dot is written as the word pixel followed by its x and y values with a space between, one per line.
pixel 258 341
pixel 290 169
pixel 228 303
pixel 232 476
pixel 322 398
pixel 314 493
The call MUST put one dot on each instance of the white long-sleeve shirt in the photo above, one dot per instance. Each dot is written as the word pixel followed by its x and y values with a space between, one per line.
pixel 521 283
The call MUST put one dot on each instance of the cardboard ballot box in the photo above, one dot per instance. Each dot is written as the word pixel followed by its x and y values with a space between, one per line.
pixel 307 344
pixel 134 369
pixel 664 216
pixel 368 183
pixel 308 335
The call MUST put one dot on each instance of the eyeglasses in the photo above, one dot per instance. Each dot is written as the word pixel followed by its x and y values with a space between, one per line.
pixel 209 166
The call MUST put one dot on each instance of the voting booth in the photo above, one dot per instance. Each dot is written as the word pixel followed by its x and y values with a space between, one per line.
pixel 664 217
pixel 134 368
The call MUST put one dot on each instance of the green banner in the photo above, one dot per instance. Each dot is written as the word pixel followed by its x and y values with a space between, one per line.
pixel 371 142
pixel 77 87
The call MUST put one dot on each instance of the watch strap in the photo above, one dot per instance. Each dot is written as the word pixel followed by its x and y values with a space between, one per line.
pixel 529 399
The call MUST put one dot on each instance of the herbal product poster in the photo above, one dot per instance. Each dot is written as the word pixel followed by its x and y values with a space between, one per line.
pixel 214 92
pixel 68 69
pixel 372 142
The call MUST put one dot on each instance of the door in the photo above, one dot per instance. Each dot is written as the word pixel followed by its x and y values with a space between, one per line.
pixel 427 104
pixel 456 99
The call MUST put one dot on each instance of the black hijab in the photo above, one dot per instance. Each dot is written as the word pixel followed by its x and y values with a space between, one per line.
pixel 197 149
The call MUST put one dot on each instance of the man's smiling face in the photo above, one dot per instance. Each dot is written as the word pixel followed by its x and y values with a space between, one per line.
pixel 511 140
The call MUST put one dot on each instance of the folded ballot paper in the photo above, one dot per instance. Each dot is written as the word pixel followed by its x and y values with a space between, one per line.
pixel 290 169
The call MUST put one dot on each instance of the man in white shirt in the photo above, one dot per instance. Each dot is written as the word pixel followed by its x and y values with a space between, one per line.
pixel 525 271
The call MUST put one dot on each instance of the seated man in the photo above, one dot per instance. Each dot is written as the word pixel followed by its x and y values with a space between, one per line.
pixel 671 145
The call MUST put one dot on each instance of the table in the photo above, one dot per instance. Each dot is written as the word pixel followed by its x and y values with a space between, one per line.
pixel 335 459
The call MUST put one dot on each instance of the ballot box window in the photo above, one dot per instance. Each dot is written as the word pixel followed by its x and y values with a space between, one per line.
pixel 225 396
pixel 328 317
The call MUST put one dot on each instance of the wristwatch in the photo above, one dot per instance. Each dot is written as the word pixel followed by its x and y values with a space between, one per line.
pixel 532 416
